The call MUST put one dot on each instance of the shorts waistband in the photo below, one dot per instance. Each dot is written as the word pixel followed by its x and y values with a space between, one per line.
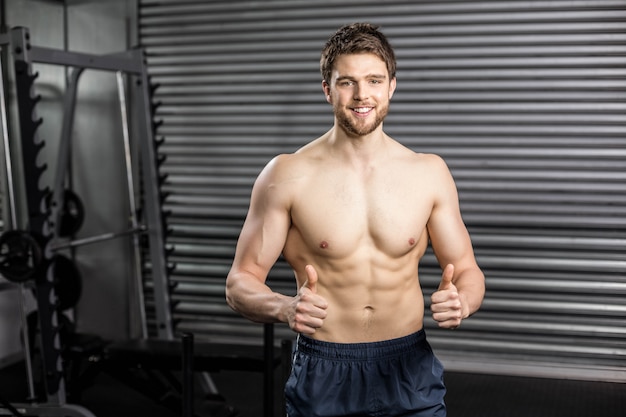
pixel 360 351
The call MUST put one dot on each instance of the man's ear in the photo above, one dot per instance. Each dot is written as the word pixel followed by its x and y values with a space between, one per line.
pixel 392 87
pixel 326 89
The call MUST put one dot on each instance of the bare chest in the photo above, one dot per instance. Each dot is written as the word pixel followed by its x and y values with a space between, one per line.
pixel 340 213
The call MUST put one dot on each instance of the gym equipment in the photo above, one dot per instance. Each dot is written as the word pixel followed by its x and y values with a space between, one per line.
pixel 72 213
pixel 20 255
pixel 148 365
pixel 187 367
pixel 68 283
pixel 61 244
pixel 80 354
pixel 25 259
pixel 46 213
pixel 11 220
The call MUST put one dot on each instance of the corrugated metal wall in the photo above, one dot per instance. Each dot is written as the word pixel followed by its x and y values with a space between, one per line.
pixel 525 100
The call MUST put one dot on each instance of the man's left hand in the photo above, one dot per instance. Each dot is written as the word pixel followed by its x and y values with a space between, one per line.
pixel 446 303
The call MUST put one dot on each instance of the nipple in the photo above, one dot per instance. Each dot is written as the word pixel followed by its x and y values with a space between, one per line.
pixel 411 241
pixel 323 244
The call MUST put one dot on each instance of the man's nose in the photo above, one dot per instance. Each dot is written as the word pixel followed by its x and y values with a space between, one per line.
pixel 361 91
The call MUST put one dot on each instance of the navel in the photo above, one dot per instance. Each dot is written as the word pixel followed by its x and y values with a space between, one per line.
pixel 323 244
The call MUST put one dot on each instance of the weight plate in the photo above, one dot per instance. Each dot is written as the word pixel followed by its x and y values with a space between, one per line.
pixel 68 283
pixel 72 214
pixel 20 255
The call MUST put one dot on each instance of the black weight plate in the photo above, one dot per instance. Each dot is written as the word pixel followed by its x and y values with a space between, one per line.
pixel 68 283
pixel 72 214
pixel 20 255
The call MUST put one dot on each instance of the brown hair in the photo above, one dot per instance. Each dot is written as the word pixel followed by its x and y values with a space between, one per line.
pixel 357 38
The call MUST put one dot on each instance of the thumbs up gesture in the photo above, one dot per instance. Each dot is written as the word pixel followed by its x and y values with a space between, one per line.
pixel 308 309
pixel 446 303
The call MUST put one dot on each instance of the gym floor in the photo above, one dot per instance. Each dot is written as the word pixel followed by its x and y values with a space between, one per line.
pixel 469 395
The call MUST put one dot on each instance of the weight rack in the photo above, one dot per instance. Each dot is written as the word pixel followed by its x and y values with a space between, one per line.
pixel 44 220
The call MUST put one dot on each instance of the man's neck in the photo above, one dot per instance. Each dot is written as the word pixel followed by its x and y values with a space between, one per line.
pixel 357 145
pixel 362 152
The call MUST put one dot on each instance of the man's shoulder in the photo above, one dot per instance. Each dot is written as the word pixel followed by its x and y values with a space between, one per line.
pixel 434 159
pixel 283 168
pixel 287 161
pixel 302 157
pixel 429 160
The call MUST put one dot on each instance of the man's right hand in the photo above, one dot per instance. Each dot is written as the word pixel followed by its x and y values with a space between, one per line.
pixel 308 309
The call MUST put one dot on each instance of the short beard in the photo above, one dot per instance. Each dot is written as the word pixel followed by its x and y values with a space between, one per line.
pixel 352 129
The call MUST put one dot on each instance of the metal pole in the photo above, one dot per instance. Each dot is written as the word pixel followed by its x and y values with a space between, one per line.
pixel 133 209
pixel 152 210
pixel 187 367
pixel 63 156
pixel 59 244
pixel 13 213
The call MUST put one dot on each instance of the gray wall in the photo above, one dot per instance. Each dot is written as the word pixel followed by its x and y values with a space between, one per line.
pixel 97 164
pixel 524 101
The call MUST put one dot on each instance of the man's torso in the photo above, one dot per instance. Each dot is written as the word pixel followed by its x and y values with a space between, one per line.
pixel 364 230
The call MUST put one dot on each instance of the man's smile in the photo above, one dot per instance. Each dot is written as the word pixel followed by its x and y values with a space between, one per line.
pixel 362 110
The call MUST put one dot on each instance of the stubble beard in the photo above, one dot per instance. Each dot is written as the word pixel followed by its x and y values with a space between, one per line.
pixel 360 128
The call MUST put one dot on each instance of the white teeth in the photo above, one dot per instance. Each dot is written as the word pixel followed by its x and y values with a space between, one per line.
pixel 362 109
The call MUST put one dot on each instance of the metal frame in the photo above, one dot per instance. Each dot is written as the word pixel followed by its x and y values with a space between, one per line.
pixel 44 223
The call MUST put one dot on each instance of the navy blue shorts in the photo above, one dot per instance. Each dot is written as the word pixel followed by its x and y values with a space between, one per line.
pixel 398 377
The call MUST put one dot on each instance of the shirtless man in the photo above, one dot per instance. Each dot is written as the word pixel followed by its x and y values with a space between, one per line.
pixel 352 212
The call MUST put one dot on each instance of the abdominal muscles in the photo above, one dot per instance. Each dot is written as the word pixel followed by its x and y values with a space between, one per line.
pixel 372 295
pixel 379 308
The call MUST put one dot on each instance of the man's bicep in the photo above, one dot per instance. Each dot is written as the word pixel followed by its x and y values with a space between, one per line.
pixel 448 234
pixel 449 239
pixel 264 232
pixel 260 243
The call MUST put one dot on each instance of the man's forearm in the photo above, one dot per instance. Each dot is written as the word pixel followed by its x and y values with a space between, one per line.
pixel 255 300
pixel 471 287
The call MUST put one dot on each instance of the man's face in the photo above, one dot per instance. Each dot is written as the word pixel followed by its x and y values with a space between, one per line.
pixel 359 90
